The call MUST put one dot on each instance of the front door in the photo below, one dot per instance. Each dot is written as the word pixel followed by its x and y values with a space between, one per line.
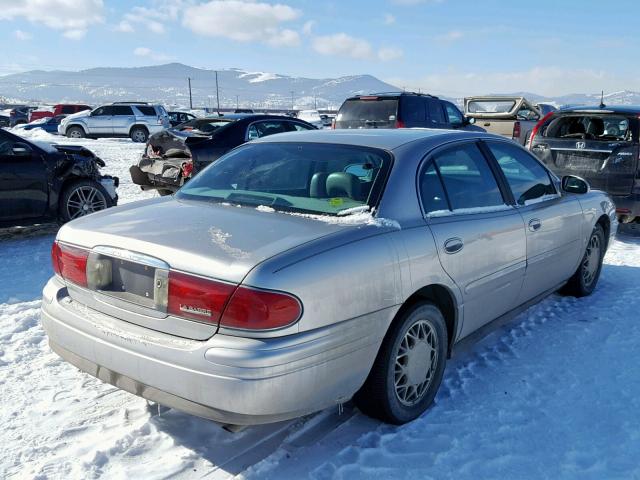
pixel 100 121
pixel 552 221
pixel 23 180
pixel 481 240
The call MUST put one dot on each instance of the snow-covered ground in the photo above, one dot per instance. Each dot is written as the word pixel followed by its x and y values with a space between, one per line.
pixel 553 394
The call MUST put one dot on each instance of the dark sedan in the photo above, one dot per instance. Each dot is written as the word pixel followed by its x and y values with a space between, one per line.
pixel 175 154
pixel 40 182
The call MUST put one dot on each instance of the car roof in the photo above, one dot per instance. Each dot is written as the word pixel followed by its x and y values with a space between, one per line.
pixel 386 139
pixel 628 109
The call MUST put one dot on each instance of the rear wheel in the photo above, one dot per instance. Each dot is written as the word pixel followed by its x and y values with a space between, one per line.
pixel 76 132
pixel 408 369
pixel 82 198
pixel 584 280
pixel 139 134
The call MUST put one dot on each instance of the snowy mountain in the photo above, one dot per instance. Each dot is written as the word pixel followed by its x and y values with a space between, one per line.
pixel 169 84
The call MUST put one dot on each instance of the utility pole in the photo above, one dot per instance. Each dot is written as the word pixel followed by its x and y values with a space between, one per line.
pixel 292 101
pixel 315 101
pixel 237 102
pixel 190 98
pixel 217 93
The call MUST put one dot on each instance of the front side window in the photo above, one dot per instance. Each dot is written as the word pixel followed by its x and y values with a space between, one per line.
pixel 264 129
pixel 299 177
pixel 467 178
pixel 455 117
pixel 527 178
pixel 103 111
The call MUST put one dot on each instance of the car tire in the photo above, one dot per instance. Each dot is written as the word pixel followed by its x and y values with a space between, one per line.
pixel 139 134
pixel 583 282
pixel 76 132
pixel 163 192
pixel 80 193
pixel 409 367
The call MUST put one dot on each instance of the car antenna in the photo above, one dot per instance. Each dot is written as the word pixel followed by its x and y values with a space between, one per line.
pixel 602 105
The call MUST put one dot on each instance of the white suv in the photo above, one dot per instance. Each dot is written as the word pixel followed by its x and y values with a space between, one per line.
pixel 136 120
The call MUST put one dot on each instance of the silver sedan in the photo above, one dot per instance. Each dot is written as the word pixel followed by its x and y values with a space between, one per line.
pixel 305 269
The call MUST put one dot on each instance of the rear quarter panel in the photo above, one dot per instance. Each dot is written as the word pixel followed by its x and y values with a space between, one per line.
pixel 596 204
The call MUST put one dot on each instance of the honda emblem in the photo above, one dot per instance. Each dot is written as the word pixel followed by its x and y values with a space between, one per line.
pixel 580 145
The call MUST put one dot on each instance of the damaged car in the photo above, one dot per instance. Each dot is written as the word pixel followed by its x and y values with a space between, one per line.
pixel 174 155
pixel 41 182
pixel 599 144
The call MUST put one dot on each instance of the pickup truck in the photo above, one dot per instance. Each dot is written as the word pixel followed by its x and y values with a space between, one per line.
pixel 511 117
pixel 60 109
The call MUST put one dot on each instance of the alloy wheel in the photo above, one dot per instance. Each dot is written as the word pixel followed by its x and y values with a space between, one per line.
pixel 416 362
pixel 84 200
pixel 591 261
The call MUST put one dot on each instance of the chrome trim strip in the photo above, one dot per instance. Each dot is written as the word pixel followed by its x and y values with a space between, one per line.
pixel 580 150
pixel 131 256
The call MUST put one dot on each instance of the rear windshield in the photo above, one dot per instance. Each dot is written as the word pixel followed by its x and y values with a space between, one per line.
pixel 490 106
pixel 374 112
pixel 299 177
pixel 590 127
pixel 204 126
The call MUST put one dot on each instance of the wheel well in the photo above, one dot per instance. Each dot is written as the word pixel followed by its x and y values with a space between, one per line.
pixel 605 223
pixel 75 125
pixel 444 300
pixel 133 127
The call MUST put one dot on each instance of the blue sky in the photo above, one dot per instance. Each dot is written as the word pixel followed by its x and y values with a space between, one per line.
pixel 450 47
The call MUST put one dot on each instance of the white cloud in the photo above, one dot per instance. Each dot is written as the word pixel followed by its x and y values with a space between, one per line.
pixel 243 21
pixel 389 19
pixel 20 35
pixel 343 45
pixel 386 54
pixel 148 53
pixel 414 2
pixel 545 80
pixel 450 37
pixel 73 17
pixel 124 26
pixel 308 27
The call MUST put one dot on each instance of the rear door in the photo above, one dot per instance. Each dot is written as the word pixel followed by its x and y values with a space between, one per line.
pixel 123 119
pixel 24 189
pixel 368 112
pixel 601 148
pixel 552 221
pixel 481 240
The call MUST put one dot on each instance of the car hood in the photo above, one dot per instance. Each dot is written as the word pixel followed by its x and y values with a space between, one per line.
pixel 83 113
pixel 214 240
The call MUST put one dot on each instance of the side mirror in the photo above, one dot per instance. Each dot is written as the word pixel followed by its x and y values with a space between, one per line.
pixel 21 150
pixel 469 120
pixel 573 184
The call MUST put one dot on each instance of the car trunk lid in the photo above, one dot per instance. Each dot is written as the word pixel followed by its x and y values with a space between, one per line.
pixel 144 241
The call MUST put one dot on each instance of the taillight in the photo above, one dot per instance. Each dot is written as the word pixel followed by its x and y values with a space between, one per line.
pixel 187 169
pixel 399 124
pixel 70 263
pixel 160 122
pixel 197 298
pixel 517 130
pixel 538 126
pixel 254 309
pixel 333 124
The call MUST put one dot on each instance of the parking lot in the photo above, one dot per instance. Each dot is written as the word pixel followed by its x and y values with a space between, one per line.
pixel 549 394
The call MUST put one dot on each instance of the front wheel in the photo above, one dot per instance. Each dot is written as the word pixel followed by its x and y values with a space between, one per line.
pixel 76 132
pixel 82 198
pixel 409 367
pixel 584 280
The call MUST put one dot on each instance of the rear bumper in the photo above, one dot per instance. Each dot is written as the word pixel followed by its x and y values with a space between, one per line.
pixel 227 379
pixel 627 205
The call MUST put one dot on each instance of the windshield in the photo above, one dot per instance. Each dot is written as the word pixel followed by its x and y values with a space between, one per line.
pixel 490 106
pixel 300 177
pixel 199 125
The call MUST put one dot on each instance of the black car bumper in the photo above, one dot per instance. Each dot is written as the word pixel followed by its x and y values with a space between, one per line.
pixel 628 205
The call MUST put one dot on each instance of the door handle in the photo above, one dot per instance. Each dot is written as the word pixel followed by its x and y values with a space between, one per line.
pixel 535 224
pixel 453 245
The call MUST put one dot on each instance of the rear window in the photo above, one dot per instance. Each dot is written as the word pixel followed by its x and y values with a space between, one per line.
pixel 377 111
pixel 590 127
pixel 299 177
pixel 492 106
pixel 146 111
pixel 204 126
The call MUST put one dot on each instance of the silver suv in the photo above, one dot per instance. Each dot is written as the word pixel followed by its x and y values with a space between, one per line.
pixel 136 120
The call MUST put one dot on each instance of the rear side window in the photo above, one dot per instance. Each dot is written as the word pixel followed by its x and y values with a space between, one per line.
pixel 264 129
pixel 122 110
pixel 431 190
pixel 467 178
pixel 298 127
pixel 526 177
pixel 414 111
pixel 146 111
pixel 68 109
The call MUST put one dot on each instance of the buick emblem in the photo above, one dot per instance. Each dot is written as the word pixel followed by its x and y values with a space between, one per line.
pixel 580 145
